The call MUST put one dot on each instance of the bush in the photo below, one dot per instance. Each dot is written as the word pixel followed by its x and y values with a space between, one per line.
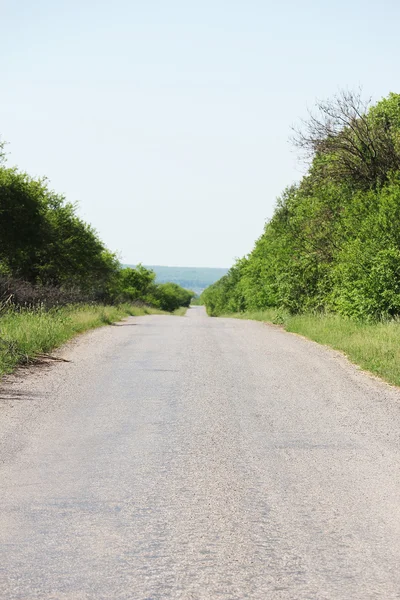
pixel 170 296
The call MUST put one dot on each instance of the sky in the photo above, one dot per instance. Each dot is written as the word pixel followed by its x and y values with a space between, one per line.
pixel 169 122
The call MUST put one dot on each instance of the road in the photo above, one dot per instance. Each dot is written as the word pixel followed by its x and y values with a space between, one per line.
pixel 197 458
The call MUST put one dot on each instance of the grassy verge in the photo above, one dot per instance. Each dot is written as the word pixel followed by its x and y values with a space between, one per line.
pixel 375 347
pixel 26 335
pixel 181 311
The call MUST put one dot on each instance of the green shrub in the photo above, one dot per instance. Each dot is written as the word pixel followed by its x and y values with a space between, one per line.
pixel 170 296
pixel 333 243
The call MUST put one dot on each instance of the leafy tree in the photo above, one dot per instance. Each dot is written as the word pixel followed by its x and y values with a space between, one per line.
pixel 333 242
pixel 170 296
pixel 133 285
pixel 42 240
pixel 47 247
pixel 24 231
pixel 352 142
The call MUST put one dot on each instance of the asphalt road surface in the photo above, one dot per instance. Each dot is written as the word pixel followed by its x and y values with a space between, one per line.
pixel 197 458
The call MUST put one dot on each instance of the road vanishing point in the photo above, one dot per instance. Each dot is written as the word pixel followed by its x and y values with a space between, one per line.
pixel 198 458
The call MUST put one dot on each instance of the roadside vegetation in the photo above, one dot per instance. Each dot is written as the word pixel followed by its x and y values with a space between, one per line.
pixel 373 345
pixel 329 258
pixel 196 301
pixel 57 278
pixel 181 311
pixel 29 334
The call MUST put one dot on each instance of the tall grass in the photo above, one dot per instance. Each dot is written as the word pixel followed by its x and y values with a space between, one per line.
pixel 375 347
pixel 27 334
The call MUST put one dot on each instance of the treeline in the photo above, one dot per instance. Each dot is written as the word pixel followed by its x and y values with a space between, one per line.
pixel 333 243
pixel 49 254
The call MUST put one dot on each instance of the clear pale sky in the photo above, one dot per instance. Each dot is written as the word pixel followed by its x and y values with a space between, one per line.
pixel 168 121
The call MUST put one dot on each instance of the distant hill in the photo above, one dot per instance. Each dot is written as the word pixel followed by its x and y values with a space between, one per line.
pixel 191 278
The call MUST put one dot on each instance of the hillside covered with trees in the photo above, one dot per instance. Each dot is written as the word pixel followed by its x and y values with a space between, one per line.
pixel 192 278
pixel 333 243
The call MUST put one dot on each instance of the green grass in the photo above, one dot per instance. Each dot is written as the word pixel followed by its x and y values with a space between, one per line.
pixel 28 334
pixel 180 312
pixel 375 347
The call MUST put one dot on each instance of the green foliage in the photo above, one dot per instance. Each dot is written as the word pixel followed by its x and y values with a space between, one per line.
pixel 130 285
pixel 170 296
pixel 333 243
pixel 137 285
pixel 23 231
pixel 352 143
pixel 25 334
pixel 366 273
pixel 45 245
pixel 42 240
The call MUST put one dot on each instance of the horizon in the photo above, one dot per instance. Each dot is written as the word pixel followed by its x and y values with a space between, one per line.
pixel 176 266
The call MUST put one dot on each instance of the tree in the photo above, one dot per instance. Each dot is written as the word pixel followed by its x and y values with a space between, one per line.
pixel 171 296
pixel 23 224
pixel 350 141
pixel 333 242
pixel 43 241
pixel 134 285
